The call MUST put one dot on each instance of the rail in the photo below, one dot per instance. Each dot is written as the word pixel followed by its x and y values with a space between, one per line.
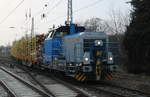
pixel 44 94
pixel 38 82
pixel 10 92
pixel 72 87
pixel 114 90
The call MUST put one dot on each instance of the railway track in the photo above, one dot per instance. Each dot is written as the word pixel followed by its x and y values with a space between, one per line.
pixel 10 92
pixel 94 88
pixel 131 77
pixel 80 92
pixel 102 90
pixel 53 89
pixel 106 88
pixel 35 80
pixel 62 84
pixel 18 87
pixel 111 89
pixel 119 90
pixel 72 92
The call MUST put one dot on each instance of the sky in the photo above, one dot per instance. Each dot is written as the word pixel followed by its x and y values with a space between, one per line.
pixel 15 23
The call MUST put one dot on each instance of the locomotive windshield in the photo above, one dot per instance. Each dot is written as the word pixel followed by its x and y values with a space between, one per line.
pixel 65 30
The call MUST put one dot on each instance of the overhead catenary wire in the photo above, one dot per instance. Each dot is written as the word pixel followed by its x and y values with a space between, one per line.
pixel 45 5
pixel 11 12
pixel 45 14
pixel 88 6
pixel 55 6
pixel 10 1
pixel 75 11
pixel 38 13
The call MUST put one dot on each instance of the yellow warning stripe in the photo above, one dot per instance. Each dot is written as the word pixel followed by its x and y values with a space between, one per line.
pixel 108 76
pixel 76 75
pixel 83 79
pixel 80 76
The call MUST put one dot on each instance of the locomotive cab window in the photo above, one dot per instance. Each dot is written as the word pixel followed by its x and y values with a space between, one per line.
pixel 60 34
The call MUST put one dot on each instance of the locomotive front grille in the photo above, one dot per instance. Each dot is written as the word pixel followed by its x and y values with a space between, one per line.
pixel 96 55
pixel 88 44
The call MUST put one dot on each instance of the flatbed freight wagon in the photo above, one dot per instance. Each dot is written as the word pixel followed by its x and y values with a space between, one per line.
pixel 28 49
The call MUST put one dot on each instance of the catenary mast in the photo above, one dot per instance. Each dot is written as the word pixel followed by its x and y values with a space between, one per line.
pixel 70 13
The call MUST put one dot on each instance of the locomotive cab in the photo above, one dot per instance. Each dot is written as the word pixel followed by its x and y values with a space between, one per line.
pixel 88 53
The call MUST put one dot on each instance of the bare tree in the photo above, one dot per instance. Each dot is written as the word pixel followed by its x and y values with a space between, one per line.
pixel 116 27
pixel 95 24
pixel 118 22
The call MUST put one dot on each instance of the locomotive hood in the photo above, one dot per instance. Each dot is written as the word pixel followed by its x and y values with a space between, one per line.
pixel 74 44
pixel 91 35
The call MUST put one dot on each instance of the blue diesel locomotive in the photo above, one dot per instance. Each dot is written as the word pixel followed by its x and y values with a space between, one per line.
pixel 78 53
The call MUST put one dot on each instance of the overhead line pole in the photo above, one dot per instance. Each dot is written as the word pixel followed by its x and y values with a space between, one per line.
pixel 33 39
pixel 70 12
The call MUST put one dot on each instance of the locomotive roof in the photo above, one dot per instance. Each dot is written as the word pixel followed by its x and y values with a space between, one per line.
pixel 67 29
pixel 88 34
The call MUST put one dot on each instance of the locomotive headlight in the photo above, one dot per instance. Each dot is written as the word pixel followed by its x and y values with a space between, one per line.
pixel 86 59
pixel 111 58
pixel 98 42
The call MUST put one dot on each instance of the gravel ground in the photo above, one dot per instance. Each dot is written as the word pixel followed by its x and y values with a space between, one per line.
pixel 132 81
pixel 3 93
pixel 122 79
pixel 47 81
pixel 96 93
